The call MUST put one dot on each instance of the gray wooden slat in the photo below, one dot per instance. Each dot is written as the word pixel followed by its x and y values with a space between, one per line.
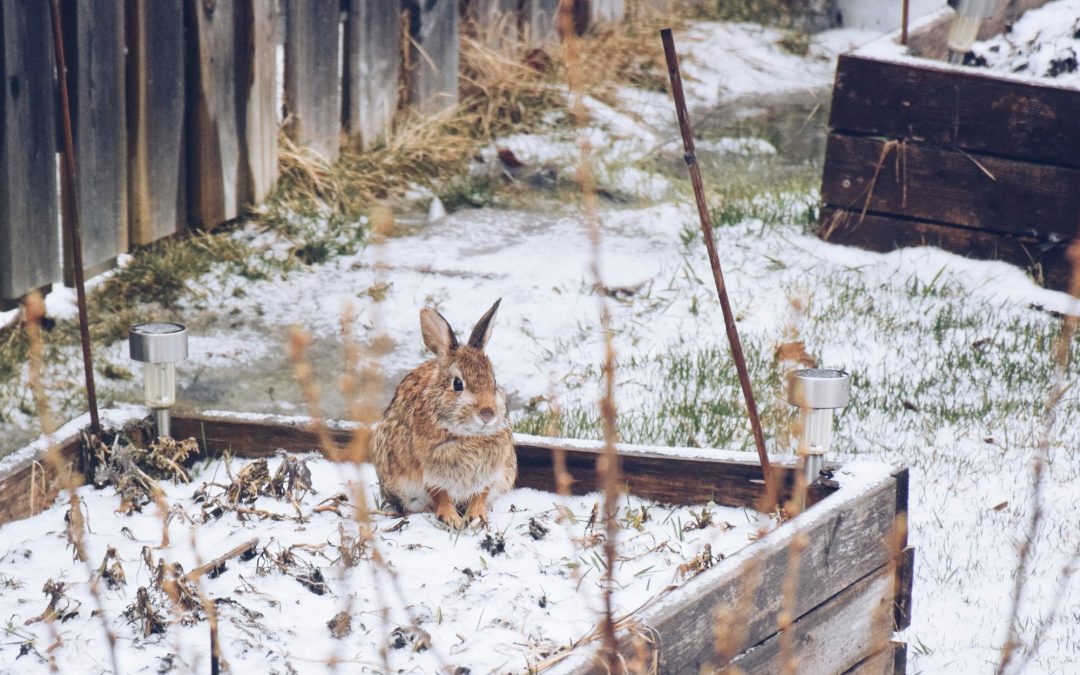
pixel 823 639
pixel 94 53
pixel 233 125
pixel 29 240
pixel 539 25
pixel 495 22
pixel 155 114
pixel 312 83
pixel 433 55
pixel 372 69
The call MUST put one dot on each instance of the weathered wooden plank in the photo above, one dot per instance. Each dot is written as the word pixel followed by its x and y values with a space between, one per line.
pixel 905 581
pixel 1047 261
pixel 432 72
pixel 846 631
pixel 32 485
pixel 94 52
pixel 29 241
pixel 846 540
pixel 372 69
pixel 952 187
pixel 846 536
pixel 662 477
pixel 667 478
pixel 494 22
pixel 957 107
pixel 606 11
pixel 312 82
pixel 234 129
pixel 929 39
pixel 155 120
pixel 539 22
pixel 892 661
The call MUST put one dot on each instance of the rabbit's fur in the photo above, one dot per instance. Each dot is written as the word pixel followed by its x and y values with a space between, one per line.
pixel 438 448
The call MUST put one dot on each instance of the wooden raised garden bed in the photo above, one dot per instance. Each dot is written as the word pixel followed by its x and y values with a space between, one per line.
pixel 854 575
pixel 921 152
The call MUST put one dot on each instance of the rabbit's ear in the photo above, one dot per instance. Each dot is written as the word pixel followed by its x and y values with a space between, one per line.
pixel 481 332
pixel 437 333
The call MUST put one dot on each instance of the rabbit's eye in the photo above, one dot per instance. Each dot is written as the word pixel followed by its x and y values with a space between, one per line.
pixel 458 384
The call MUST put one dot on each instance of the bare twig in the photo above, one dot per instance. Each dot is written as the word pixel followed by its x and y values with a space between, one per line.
pixel 221 559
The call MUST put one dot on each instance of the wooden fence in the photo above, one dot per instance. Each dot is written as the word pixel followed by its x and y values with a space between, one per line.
pixel 175 105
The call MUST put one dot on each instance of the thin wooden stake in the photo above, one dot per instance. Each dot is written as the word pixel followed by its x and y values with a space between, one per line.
pixel 714 259
pixel 72 224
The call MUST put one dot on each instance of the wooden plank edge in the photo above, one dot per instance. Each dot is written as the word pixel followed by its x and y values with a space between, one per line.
pixel 890 661
pixel 703 594
pixel 840 225
pixel 828 626
pixel 905 581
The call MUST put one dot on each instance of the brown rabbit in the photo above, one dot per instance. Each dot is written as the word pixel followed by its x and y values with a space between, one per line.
pixel 445 439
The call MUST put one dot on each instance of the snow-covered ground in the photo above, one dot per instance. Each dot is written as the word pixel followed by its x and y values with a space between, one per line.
pixel 495 600
pixel 950 356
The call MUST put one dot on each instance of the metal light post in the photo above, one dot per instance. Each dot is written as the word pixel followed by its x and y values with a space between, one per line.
pixel 159 346
pixel 817 392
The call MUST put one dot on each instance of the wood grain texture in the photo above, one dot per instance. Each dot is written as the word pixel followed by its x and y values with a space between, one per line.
pixel 845 631
pixel 1047 261
pixel 539 25
pixel 372 70
pixel 494 22
pixel 32 485
pixel 233 157
pixel 957 107
pixel 155 120
pixel 951 187
pixel 94 52
pixel 312 82
pixel 29 241
pixel 845 544
pixel 432 72
pixel 928 41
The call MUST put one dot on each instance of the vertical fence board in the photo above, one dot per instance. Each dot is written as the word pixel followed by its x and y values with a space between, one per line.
pixel 539 19
pixel 372 69
pixel 155 116
pixel 29 245
pixel 233 157
pixel 433 55
pixel 311 75
pixel 94 53
pixel 260 134
pixel 495 22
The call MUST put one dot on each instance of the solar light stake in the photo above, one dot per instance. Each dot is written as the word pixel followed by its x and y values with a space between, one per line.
pixel 965 26
pixel 817 392
pixel 159 346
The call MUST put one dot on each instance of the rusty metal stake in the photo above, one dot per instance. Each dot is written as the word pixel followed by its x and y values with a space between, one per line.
pixel 904 12
pixel 73 227
pixel 714 259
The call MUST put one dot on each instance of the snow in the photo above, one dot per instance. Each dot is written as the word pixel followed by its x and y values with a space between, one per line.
pixel 1043 43
pixel 487 609
pixel 874 314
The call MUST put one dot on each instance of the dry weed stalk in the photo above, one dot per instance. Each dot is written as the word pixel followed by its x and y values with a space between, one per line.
pixel 608 464
pixel 33 311
pixel 1058 387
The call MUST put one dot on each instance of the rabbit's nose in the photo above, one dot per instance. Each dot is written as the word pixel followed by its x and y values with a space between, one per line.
pixel 487 414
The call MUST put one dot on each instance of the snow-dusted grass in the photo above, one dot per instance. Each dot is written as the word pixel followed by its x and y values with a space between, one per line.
pixel 497 600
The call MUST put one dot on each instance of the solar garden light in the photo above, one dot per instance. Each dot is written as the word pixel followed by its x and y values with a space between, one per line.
pixel 159 346
pixel 817 392
pixel 965 25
